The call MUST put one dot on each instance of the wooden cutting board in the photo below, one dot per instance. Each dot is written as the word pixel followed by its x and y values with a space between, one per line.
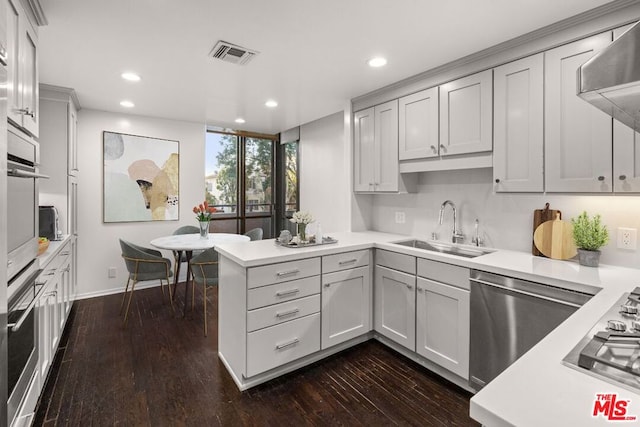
pixel 555 239
pixel 540 216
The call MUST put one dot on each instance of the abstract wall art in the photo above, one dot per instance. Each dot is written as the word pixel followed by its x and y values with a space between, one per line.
pixel 140 178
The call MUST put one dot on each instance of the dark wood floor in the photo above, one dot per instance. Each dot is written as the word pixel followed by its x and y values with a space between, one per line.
pixel 162 371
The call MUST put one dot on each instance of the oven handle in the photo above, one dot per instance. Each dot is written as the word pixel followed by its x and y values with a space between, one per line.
pixel 19 173
pixel 16 326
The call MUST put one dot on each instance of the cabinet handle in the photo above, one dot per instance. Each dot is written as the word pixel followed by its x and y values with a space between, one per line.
pixel 287 313
pixel 50 273
pixel 287 273
pixel 65 253
pixel 434 149
pixel 287 293
pixel 443 148
pixel 289 344
pixel 622 177
pixel 497 180
pixel 326 285
pixel 347 261
pixel 601 178
pixel 420 289
pixel 409 287
pixel 25 112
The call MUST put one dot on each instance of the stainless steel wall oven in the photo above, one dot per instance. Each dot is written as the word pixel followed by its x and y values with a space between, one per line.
pixel 22 201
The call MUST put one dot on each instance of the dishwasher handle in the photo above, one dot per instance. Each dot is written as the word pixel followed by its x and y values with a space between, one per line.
pixel 522 292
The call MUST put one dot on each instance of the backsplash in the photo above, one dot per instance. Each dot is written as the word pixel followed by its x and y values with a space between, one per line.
pixel 505 218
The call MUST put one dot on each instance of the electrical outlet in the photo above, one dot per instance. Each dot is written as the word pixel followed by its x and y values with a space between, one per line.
pixel 627 238
pixel 400 218
pixel 112 272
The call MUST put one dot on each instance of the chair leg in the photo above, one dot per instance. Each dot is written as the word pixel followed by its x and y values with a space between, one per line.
pixel 126 314
pixel 173 310
pixel 126 288
pixel 204 303
pixel 193 294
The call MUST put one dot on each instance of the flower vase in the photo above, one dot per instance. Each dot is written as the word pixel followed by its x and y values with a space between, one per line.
pixel 204 229
pixel 302 232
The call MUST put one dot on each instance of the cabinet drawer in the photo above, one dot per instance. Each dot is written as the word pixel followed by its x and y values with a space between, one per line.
pixel 281 272
pixel 396 261
pixel 344 261
pixel 281 292
pixel 275 346
pixel 283 312
pixel 445 273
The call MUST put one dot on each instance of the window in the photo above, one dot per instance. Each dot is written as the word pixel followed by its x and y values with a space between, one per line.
pixel 239 181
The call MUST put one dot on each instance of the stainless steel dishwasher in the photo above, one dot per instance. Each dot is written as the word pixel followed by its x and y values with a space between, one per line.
pixel 508 317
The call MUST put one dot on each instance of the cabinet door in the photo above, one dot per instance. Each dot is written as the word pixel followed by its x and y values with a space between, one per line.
pixel 386 146
pixel 442 325
pixel 418 125
pixel 363 150
pixel 73 140
pixel 346 305
pixel 518 125
pixel 578 142
pixel 66 286
pixel 14 11
pixel 72 205
pixel 466 113
pixel 395 306
pixel 30 88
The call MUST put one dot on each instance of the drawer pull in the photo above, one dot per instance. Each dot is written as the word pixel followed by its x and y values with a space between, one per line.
pixel 65 253
pixel 289 344
pixel 287 313
pixel 287 293
pixel 409 287
pixel 50 273
pixel 347 261
pixel 287 273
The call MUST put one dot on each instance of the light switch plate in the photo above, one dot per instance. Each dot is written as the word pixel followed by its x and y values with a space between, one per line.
pixel 400 218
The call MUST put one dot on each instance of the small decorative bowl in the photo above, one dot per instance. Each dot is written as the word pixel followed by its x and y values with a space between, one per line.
pixel 42 247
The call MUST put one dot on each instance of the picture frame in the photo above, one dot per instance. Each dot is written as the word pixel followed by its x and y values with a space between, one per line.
pixel 141 177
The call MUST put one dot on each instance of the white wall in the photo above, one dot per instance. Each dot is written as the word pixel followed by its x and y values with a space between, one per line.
pixel 506 220
pixel 98 242
pixel 325 173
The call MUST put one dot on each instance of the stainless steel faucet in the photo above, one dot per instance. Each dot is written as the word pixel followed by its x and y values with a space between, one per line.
pixel 456 235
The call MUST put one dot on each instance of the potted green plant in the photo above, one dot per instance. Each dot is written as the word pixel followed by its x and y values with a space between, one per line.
pixel 589 236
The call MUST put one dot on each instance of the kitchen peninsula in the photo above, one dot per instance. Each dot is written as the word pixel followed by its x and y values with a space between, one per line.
pixel 538 389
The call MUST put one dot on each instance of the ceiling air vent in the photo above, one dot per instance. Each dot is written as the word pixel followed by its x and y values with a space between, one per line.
pixel 232 53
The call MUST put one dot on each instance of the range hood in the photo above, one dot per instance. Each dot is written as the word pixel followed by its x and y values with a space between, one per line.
pixel 610 80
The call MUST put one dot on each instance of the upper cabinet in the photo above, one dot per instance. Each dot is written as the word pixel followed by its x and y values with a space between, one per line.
pixel 466 111
pixel 518 125
pixel 418 125
pixel 22 70
pixel 376 149
pixel 578 136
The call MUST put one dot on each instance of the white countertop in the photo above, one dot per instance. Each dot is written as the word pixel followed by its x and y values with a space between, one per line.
pixel 537 389
pixel 52 250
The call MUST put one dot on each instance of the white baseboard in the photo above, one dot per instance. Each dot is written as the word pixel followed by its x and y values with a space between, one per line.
pixel 118 290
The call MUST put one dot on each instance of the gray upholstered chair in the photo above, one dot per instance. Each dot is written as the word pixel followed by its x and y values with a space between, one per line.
pixel 143 264
pixel 186 229
pixel 254 234
pixel 204 268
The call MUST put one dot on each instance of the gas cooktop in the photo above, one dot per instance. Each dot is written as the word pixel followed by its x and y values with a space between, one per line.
pixel 611 349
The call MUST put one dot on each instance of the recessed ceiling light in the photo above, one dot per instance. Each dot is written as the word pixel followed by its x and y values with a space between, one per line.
pixel 132 77
pixel 127 104
pixel 240 120
pixel 271 103
pixel 376 62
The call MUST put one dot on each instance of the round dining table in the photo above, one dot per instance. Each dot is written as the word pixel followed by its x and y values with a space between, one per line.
pixel 187 243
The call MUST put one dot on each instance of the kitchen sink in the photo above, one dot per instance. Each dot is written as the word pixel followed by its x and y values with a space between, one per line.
pixel 445 248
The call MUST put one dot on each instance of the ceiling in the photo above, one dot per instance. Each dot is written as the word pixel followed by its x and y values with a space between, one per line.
pixel 312 53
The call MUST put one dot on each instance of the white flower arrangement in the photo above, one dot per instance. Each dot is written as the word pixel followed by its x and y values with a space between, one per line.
pixel 302 218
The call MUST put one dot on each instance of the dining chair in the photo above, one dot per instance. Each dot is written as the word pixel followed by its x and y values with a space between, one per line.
pixel 143 264
pixel 186 229
pixel 254 233
pixel 204 269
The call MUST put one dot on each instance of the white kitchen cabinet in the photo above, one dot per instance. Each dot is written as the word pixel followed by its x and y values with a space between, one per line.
pixel 346 305
pixel 395 306
pixel 466 111
pixel 22 70
pixel 519 125
pixel 376 149
pixel 418 125
pixel 442 325
pixel 578 136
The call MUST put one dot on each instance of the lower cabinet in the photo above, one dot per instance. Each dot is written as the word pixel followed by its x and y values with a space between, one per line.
pixel 395 306
pixel 346 305
pixel 442 325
